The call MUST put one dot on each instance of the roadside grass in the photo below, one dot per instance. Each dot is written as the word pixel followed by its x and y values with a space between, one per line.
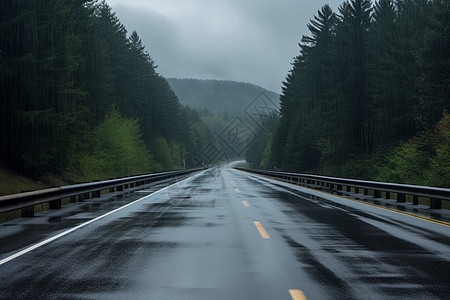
pixel 11 183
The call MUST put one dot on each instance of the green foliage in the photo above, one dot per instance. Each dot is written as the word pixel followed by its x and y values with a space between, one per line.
pixel 440 163
pixel 11 183
pixel 63 64
pixel 267 153
pixel 116 150
pixel 406 163
pixel 366 80
pixel 259 153
pixel 168 154
pixel 424 160
pixel 49 135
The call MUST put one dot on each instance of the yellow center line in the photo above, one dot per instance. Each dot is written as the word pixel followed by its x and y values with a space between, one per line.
pixel 362 202
pixel 385 208
pixel 237 190
pixel 245 203
pixel 261 230
pixel 297 295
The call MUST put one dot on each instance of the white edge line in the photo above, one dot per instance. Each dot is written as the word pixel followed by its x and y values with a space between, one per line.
pixel 53 238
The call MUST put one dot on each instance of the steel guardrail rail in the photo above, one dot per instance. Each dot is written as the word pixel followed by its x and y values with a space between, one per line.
pixel 22 200
pixel 435 194
pixel 26 201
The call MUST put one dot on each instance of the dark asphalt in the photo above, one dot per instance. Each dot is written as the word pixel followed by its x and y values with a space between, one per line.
pixel 197 240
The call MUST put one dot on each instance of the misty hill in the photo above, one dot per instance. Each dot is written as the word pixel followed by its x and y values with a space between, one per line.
pixel 217 95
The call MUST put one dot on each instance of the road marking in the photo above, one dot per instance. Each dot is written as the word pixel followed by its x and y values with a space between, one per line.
pixel 237 190
pixel 261 230
pixel 389 209
pixel 297 295
pixel 245 203
pixel 362 202
pixel 53 238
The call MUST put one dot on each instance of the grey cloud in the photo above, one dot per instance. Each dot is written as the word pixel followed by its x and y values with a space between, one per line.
pixel 252 41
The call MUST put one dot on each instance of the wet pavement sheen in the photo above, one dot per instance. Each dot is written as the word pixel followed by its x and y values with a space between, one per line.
pixel 198 240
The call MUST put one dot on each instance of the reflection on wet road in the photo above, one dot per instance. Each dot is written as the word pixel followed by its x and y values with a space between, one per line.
pixel 225 234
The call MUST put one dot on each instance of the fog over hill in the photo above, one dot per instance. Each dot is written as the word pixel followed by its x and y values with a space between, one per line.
pixel 218 95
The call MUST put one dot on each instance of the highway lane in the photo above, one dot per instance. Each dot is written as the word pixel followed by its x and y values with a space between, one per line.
pixel 226 234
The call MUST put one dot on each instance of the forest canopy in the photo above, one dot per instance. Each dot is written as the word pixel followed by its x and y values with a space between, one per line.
pixel 81 97
pixel 368 95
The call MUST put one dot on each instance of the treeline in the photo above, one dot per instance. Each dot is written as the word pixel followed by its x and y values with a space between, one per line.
pixel 82 98
pixel 367 96
pixel 218 95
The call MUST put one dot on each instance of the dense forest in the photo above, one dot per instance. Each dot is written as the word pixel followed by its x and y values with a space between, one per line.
pixel 217 96
pixel 222 105
pixel 368 96
pixel 81 98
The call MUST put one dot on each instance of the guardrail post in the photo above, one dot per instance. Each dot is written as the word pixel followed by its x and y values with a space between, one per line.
pixel 120 188
pixel 436 203
pixel 376 193
pixel 96 194
pixel 27 212
pixel 380 190
pixel 55 204
pixel 83 197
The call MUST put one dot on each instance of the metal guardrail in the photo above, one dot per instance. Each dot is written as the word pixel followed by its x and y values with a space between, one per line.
pixel 380 190
pixel 26 201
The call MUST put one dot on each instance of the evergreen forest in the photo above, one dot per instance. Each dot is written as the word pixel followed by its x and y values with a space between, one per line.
pixel 81 98
pixel 368 96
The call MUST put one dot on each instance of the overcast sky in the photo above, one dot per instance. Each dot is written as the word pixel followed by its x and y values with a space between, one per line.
pixel 243 40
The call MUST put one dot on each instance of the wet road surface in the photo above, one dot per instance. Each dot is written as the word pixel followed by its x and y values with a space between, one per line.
pixel 226 234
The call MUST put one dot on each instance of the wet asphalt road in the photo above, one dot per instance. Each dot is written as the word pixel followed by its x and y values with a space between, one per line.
pixel 225 234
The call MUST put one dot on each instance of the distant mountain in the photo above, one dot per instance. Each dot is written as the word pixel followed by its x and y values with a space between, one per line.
pixel 218 95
